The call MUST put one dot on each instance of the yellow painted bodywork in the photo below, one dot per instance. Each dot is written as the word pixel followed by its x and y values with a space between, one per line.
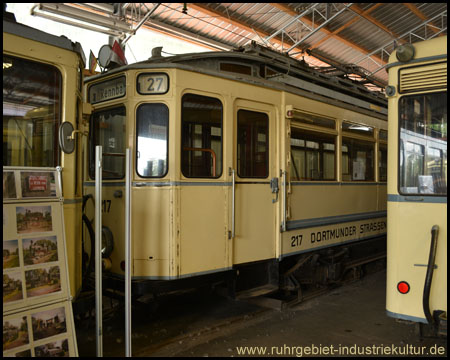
pixel 410 223
pixel 69 64
pixel 180 226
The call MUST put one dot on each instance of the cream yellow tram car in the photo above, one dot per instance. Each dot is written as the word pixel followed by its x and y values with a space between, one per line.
pixel 417 183
pixel 244 163
pixel 42 84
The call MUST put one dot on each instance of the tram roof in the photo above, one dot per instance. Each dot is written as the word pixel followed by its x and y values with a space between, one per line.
pixel 12 27
pixel 272 69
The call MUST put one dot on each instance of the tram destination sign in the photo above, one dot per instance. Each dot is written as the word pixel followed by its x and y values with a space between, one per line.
pixel 107 90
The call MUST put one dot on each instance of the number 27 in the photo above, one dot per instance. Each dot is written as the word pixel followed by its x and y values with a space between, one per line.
pixel 152 82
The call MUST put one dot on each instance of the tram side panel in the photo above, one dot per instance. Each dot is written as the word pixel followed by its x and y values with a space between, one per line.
pixel 330 200
pixel 417 185
pixel 68 64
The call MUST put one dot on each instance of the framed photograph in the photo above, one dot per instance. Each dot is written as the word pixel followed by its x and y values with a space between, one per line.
pixel 44 331
pixel 43 281
pixel 15 332
pixel 24 353
pixel 9 185
pixel 37 184
pixel 12 287
pixel 11 257
pixel 40 250
pixel 33 219
pixel 49 323
pixel 59 348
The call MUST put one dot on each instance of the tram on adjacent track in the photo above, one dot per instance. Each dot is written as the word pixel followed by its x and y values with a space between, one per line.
pixel 42 89
pixel 417 184
pixel 247 166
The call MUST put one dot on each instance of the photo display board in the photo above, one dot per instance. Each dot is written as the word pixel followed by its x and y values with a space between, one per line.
pixel 37 308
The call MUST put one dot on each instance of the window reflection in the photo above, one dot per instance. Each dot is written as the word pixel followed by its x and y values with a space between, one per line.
pixel 31 113
pixel 423 144
pixel 152 140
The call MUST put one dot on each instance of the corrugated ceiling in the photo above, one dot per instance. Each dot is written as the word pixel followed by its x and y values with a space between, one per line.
pixel 353 37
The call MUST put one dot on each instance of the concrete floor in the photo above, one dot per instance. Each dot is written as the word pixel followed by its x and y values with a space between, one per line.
pixel 350 320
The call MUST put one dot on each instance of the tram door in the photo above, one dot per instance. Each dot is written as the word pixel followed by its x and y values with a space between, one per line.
pixel 254 163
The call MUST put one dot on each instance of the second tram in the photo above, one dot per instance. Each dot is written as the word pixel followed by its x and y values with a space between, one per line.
pixel 247 165
pixel 417 184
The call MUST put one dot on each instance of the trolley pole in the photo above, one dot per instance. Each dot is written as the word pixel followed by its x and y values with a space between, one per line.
pixel 127 255
pixel 98 249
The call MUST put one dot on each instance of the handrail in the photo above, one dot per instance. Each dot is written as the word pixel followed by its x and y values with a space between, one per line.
pixel 283 225
pixel 205 150
pixel 429 275
pixel 233 201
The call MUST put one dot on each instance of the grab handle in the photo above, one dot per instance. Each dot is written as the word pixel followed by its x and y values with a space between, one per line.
pixel 283 225
pixel 429 275
pixel 211 151
pixel 231 172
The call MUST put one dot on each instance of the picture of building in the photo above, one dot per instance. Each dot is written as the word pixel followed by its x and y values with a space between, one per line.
pixel 48 323
pixel 34 219
pixel 40 250
pixel 43 281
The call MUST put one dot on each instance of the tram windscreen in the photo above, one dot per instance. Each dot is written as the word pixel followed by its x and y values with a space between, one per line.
pixel 108 130
pixel 423 144
pixel 31 113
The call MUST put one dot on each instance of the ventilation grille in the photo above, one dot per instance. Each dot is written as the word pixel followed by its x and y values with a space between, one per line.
pixel 423 78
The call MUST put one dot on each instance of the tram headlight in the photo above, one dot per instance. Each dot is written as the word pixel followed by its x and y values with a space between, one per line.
pixel 403 287
pixel 405 52
pixel 107 242
pixel 390 90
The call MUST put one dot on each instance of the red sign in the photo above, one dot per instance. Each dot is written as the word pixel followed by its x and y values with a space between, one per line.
pixel 37 183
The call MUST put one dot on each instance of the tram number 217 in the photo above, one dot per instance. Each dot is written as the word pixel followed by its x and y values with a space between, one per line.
pixel 296 240
pixel 106 206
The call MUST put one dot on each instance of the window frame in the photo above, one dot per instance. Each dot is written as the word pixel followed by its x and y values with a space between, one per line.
pixel 209 96
pixel 318 133
pixel 91 163
pixel 267 159
pixel 56 124
pixel 423 143
pixel 167 141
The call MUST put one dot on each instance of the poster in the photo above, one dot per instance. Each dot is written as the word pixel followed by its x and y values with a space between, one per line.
pixel 34 263
pixel 46 331
pixel 37 308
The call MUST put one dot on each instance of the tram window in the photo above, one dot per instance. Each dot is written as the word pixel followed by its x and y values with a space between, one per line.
pixel 31 113
pixel 108 130
pixel 382 162
pixel 152 140
pixel 357 160
pixel 313 156
pixel 357 129
pixel 201 136
pixel 252 144
pixel 423 144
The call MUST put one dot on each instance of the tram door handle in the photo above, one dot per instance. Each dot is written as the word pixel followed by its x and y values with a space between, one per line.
pixel 283 175
pixel 231 172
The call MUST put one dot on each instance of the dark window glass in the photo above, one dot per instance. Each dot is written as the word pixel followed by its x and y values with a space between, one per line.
pixel 253 144
pixel 108 130
pixel 312 156
pixel 357 160
pixel 201 136
pixel 382 164
pixel 423 144
pixel 152 140
pixel 31 113
pixel 357 129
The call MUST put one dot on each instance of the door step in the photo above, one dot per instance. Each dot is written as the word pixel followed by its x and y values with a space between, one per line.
pixel 257 291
